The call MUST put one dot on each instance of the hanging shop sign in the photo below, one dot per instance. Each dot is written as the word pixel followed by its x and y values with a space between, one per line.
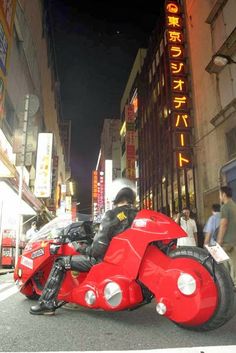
pixel 43 180
pixel 180 92
pixel 130 141
pixel 95 193
pixel 101 190
pixel 108 183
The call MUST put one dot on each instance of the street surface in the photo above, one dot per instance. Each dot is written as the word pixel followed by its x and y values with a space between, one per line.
pixel 85 330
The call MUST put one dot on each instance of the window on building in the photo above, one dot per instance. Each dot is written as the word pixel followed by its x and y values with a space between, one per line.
pixel 231 143
pixel 161 48
pixel 123 148
pixel 150 75
pixel 153 67
pixel 9 113
pixel 157 58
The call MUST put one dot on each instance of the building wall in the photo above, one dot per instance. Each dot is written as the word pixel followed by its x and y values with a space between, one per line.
pixel 136 68
pixel 32 70
pixel 110 150
pixel 43 54
pixel 109 137
pixel 130 93
pixel 213 94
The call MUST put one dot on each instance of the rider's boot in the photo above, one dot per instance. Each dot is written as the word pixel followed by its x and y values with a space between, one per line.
pixel 47 303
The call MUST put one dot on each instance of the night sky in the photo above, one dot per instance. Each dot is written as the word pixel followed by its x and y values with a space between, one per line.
pixel 96 43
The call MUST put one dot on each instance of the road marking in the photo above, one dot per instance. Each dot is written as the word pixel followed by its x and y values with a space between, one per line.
pixel 5 285
pixel 207 349
pixel 8 292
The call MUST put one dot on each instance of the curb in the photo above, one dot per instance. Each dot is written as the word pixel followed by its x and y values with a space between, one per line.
pixel 6 271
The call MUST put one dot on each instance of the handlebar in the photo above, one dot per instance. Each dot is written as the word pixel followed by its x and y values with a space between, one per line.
pixel 78 231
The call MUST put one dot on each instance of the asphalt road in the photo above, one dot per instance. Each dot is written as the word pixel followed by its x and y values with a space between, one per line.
pixel 86 330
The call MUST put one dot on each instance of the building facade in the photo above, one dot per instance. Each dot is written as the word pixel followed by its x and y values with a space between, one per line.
pixel 165 117
pixel 129 111
pixel 211 32
pixel 186 108
pixel 108 167
pixel 29 83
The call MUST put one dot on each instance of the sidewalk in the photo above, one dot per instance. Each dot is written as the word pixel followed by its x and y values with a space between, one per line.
pixel 3 271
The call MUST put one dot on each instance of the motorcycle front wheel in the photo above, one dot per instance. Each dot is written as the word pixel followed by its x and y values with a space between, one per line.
pixel 226 307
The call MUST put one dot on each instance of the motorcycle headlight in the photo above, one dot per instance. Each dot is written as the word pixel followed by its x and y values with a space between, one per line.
pixel 19 272
pixel 186 284
pixel 113 294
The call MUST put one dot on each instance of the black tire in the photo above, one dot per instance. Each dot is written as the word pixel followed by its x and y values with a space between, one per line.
pixel 226 308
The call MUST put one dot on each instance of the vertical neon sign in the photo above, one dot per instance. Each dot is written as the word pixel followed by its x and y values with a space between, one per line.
pixel 180 101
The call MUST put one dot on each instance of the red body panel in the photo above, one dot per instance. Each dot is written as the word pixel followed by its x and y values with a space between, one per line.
pixel 160 274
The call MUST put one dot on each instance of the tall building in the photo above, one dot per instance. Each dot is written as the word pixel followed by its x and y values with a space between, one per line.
pixel 186 118
pixel 107 168
pixel 165 117
pixel 129 109
pixel 212 44
pixel 33 153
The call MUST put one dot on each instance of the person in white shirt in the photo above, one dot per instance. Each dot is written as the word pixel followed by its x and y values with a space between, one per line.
pixel 189 226
pixel 30 232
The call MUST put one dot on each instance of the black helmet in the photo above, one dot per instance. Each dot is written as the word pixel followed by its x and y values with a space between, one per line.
pixel 123 189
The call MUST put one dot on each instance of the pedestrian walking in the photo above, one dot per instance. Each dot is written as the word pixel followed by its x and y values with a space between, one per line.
pixel 189 226
pixel 212 226
pixel 227 231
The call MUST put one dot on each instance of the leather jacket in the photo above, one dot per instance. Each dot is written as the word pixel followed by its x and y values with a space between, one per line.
pixel 114 222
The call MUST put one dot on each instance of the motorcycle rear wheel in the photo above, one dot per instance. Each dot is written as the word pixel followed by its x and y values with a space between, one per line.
pixel 226 307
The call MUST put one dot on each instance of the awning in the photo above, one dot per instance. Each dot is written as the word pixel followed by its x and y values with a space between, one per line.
pixel 27 195
pixel 7 169
pixel 9 196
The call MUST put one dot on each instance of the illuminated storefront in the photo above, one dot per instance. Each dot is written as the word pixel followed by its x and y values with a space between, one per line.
pixel 165 118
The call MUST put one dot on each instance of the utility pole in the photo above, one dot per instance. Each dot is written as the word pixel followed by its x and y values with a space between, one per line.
pixel 21 171
pixel 31 105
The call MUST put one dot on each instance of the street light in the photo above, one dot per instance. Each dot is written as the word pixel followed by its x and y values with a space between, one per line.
pixel 222 60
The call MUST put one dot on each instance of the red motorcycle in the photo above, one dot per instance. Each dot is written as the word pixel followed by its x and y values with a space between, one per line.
pixel 140 265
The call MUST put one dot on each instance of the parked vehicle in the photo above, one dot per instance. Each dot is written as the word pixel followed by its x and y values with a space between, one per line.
pixel 141 264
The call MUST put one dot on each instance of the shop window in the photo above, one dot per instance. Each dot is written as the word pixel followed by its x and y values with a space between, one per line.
pixel 231 143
